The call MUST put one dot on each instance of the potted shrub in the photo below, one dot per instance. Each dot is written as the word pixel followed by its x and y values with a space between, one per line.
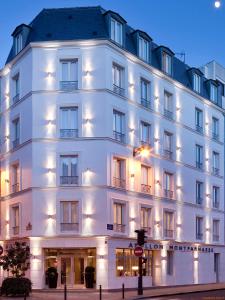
pixel 89 276
pixel 16 261
pixel 52 277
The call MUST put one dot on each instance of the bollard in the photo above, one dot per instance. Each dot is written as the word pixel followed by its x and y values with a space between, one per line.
pixel 100 292
pixel 123 291
pixel 65 292
pixel 25 296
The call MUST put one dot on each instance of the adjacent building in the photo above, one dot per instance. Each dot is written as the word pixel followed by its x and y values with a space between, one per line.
pixel 104 132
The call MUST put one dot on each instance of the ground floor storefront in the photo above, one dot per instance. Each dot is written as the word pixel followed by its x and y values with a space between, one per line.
pixel 114 263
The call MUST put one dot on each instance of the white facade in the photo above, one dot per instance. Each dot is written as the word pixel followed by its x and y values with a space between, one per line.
pixel 95 182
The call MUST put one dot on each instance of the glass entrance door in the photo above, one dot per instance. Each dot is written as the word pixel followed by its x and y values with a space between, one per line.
pixel 79 270
pixel 66 271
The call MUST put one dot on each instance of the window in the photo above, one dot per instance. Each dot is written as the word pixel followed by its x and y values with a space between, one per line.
pixel 16 88
pixel 197 83
pixel 199 228
pixel 69 80
pixel 199 156
pixel 216 197
pixel 15 178
pixel 168 105
pixel 69 215
pixel 168 224
pixel 15 220
pixel 145 180
pixel 145 133
pixel 167 63
pixel 118 217
pixel 119 173
pixel 18 43
pixel 118 126
pixel 69 122
pixel 146 220
pixel 215 129
pixel 69 172
pixel 216 228
pixel 168 185
pixel 168 148
pixel 199 120
pixel 199 192
pixel 215 163
pixel 116 31
pixel 118 79
pixel 145 93
pixel 214 93
pixel 169 262
pixel 127 263
pixel 16 133
pixel 143 49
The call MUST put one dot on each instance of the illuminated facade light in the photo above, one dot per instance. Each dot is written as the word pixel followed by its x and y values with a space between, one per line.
pixel 217 3
pixel 143 151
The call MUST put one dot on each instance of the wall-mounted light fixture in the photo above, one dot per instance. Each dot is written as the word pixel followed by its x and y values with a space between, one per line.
pixel 51 216
pixel 156 140
pixel 156 98
pixel 131 85
pixel 178 148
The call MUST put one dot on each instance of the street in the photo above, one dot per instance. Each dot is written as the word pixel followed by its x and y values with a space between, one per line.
pixel 213 295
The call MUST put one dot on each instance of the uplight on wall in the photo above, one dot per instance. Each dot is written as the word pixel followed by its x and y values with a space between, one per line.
pixel 217 4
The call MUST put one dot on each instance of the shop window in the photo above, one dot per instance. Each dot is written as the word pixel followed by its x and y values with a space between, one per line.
pixel 127 263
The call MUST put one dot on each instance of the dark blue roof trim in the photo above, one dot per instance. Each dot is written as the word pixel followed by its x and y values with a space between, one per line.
pixel 83 23
pixel 116 16
pixel 143 34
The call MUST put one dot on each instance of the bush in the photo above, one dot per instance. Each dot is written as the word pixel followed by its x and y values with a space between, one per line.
pixel 13 286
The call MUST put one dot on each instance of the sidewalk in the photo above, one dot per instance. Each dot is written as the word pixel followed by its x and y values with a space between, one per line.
pixel 129 295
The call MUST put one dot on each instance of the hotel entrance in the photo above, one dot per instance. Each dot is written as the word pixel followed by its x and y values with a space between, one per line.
pixel 70 265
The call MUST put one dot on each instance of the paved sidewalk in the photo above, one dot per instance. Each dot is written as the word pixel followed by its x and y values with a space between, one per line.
pixel 129 295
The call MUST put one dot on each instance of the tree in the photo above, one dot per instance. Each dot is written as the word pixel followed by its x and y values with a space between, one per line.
pixel 16 260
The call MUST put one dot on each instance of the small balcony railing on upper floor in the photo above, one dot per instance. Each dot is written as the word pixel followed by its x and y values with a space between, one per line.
pixel 119 182
pixel 199 200
pixel 199 236
pixel 16 230
pixel 68 133
pixel 199 128
pixel 148 230
pixel 168 194
pixel 216 237
pixel 118 90
pixel 199 165
pixel 168 233
pixel 119 136
pixel 16 98
pixel 168 114
pixel 69 226
pixel 146 103
pixel 16 143
pixel 119 227
pixel 68 86
pixel 215 136
pixel 215 171
pixel 68 180
pixel 15 187
pixel 168 153
pixel 145 188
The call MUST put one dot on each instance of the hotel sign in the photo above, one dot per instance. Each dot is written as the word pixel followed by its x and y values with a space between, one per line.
pixel 183 248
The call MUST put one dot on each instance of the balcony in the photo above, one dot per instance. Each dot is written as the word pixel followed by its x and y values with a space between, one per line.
pixel 168 154
pixel 16 143
pixel 199 128
pixel 16 98
pixel 145 103
pixel 118 90
pixel 69 226
pixel 145 188
pixel 68 180
pixel 68 133
pixel 119 227
pixel 168 114
pixel 216 238
pixel 199 165
pixel 119 183
pixel 199 236
pixel 148 230
pixel 16 230
pixel 199 200
pixel 68 86
pixel 15 188
pixel 118 136
pixel 168 233
pixel 215 171
pixel 215 136
pixel 216 204
pixel 168 194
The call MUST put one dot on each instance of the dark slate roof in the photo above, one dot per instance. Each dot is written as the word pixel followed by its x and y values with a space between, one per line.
pixel 82 23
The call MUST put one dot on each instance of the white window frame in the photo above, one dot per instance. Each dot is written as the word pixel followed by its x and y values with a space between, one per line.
pixel 143 47
pixel 18 43
pixel 116 31
pixel 197 83
pixel 167 63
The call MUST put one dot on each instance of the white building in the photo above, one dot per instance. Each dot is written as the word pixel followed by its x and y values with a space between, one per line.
pixel 76 106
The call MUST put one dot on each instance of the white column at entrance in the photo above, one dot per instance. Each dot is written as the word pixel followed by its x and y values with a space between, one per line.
pixel 36 263
pixel 102 263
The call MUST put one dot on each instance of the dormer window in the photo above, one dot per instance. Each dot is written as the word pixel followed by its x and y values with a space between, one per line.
pixel 197 83
pixel 116 31
pixel 214 93
pixel 167 63
pixel 18 43
pixel 143 49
